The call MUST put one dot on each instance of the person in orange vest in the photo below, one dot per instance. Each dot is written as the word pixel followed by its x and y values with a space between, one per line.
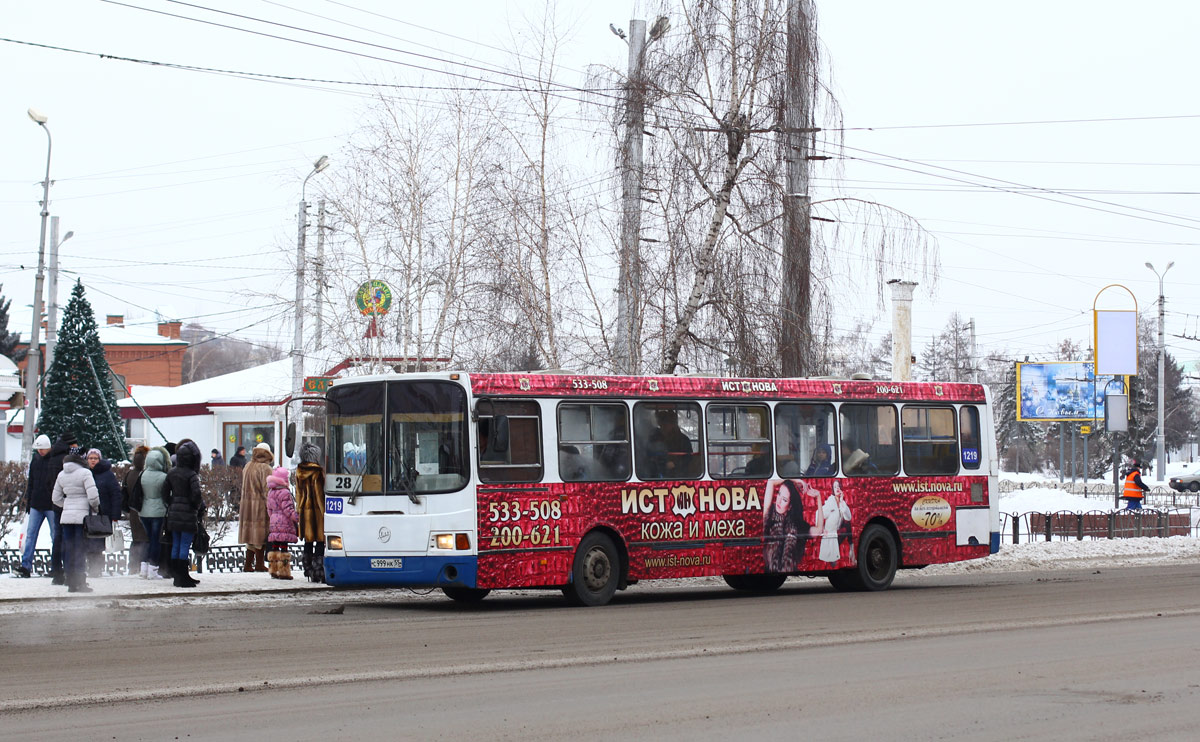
pixel 1135 488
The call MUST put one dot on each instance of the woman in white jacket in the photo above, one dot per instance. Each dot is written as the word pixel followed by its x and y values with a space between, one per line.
pixel 830 516
pixel 75 492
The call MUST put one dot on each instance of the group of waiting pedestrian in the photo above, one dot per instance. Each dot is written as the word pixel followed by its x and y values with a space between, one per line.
pixel 161 497
pixel 271 519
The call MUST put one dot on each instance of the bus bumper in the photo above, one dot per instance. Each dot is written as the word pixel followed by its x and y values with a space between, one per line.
pixel 416 571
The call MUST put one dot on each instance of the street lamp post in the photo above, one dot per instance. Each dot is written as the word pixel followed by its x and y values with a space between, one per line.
pixel 52 292
pixel 33 355
pixel 298 337
pixel 1160 456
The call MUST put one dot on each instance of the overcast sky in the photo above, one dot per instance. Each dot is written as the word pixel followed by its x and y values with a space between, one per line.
pixel 1051 148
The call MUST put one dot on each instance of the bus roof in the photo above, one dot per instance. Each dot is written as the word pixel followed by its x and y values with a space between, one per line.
pixel 585 385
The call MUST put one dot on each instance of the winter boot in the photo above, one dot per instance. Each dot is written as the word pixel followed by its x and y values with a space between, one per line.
pixel 144 570
pixel 318 572
pixel 273 564
pixel 179 572
pixel 77 583
pixel 284 571
pixel 154 571
pixel 306 559
pixel 249 565
pixel 187 571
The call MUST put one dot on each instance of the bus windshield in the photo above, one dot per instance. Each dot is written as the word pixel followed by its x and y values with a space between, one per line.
pixel 404 437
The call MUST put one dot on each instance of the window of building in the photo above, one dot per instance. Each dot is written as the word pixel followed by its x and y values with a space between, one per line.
pixel 870 444
pixel 593 442
pixel 930 442
pixel 739 441
pixel 668 441
pixel 247 435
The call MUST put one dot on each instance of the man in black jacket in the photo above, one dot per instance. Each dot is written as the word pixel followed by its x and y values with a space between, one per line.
pixel 65 444
pixel 37 505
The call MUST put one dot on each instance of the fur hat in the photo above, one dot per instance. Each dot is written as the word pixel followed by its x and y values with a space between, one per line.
pixel 42 441
pixel 311 453
pixel 263 446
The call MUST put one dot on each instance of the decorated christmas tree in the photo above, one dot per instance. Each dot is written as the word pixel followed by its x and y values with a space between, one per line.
pixel 77 395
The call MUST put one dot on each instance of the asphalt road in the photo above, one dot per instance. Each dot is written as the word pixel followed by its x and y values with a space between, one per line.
pixel 1089 654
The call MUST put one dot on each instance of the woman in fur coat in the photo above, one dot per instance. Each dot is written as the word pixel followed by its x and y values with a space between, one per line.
pixel 283 519
pixel 310 501
pixel 252 528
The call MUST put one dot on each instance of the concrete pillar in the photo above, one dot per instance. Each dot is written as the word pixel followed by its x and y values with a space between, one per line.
pixel 902 294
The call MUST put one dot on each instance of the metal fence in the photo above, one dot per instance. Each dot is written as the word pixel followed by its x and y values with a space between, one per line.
pixel 1095 525
pixel 218 559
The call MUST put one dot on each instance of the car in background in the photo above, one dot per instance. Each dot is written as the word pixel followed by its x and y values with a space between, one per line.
pixel 1188 481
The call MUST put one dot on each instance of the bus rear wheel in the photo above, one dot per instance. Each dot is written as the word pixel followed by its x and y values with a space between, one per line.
pixel 755 583
pixel 595 573
pixel 466 594
pixel 878 559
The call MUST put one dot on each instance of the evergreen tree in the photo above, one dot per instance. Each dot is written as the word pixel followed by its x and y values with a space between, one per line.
pixel 74 399
pixel 8 340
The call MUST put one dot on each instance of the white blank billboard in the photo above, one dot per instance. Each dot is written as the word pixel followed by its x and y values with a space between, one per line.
pixel 1116 342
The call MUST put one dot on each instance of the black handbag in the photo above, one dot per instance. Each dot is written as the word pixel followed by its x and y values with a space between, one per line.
pixel 97 526
pixel 202 541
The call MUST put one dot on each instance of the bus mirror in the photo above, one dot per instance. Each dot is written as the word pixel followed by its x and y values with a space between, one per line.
pixel 499 434
pixel 289 440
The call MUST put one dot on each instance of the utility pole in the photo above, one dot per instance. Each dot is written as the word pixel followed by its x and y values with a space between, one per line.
pixel 320 266
pixel 298 335
pixel 52 292
pixel 974 355
pixel 629 283
pixel 1160 456
pixel 796 304
pixel 35 351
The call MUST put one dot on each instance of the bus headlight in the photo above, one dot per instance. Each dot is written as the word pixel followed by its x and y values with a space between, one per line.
pixel 333 543
pixel 459 541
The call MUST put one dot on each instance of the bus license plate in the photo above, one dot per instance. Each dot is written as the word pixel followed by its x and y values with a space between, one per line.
pixel 396 563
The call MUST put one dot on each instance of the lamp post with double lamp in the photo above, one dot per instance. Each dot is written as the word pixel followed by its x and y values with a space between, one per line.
pixel 298 337
pixel 1159 453
pixel 31 365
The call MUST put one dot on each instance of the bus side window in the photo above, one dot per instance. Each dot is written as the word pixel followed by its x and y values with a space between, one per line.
pixel 521 459
pixel 739 441
pixel 668 440
pixel 593 442
pixel 972 445
pixel 930 443
pixel 870 440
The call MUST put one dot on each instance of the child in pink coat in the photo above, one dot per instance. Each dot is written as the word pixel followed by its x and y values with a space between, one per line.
pixel 281 524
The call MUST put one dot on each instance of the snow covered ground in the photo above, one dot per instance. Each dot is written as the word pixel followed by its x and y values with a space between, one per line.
pixel 217 588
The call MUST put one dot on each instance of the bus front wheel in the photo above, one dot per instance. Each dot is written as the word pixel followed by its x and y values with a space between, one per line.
pixel 465 594
pixel 595 573
pixel 755 583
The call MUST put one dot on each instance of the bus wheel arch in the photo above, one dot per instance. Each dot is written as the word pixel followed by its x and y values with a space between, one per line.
pixel 598 570
pixel 465 594
pixel 877 559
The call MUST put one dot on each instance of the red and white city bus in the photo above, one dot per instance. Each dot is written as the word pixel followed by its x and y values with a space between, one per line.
pixel 473 482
